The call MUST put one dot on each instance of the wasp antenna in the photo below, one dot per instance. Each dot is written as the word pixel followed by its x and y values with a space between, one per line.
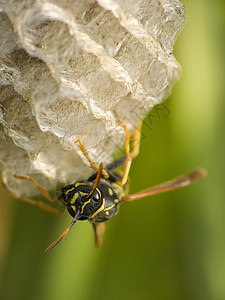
pixel 97 178
pixel 65 232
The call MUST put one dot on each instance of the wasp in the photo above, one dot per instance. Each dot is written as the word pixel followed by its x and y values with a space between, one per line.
pixel 97 199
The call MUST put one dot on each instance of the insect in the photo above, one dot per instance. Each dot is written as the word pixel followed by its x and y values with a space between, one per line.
pixel 97 199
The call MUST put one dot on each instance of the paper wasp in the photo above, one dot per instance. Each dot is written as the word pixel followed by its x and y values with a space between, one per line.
pixel 97 199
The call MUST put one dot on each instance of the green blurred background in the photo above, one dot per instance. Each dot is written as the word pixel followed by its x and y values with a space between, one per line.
pixel 168 247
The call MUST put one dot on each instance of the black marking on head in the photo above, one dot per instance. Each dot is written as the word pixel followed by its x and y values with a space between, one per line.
pixel 77 197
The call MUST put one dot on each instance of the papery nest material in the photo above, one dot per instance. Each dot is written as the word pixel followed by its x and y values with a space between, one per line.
pixel 71 69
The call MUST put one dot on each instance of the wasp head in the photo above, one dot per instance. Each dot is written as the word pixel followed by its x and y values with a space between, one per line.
pixel 81 199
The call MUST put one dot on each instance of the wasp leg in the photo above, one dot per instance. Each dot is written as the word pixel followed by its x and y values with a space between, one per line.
pixel 136 138
pixel 99 229
pixel 115 164
pixel 171 185
pixel 38 186
pixel 135 149
pixel 39 203
pixel 128 159
pixel 93 165
pixel 130 155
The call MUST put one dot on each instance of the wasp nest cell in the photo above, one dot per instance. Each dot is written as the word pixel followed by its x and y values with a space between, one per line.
pixel 72 69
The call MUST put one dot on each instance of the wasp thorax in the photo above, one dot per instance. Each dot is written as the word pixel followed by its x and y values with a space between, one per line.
pixel 80 198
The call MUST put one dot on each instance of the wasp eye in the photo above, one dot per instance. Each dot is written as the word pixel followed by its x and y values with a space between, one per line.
pixel 96 197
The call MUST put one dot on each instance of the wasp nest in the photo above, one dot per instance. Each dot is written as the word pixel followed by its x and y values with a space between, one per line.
pixel 71 69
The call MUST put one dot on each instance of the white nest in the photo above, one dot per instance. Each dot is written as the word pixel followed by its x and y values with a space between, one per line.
pixel 71 69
